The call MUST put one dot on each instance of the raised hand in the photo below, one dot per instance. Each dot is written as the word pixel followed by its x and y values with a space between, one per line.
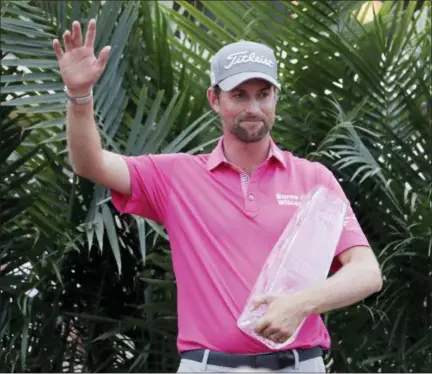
pixel 79 67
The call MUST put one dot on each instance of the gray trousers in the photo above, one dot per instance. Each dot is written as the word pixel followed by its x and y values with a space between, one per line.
pixel 314 365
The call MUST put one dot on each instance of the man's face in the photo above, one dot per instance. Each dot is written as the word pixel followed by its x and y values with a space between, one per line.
pixel 248 111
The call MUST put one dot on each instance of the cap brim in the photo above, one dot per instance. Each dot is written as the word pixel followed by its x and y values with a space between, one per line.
pixel 231 82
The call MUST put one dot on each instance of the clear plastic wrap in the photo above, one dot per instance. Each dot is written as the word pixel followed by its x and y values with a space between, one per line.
pixel 302 255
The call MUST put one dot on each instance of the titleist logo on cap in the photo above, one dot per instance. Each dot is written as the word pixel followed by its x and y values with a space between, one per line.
pixel 244 57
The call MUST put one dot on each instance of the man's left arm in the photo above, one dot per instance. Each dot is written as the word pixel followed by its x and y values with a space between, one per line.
pixel 358 278
pixel 360 274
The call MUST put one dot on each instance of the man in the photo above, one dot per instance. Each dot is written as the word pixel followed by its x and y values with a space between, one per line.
pixel 222 213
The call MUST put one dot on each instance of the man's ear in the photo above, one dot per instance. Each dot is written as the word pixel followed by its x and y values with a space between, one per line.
pixel 213 99
pixel 276 93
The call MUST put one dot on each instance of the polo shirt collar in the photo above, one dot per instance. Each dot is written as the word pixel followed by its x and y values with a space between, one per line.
pixel 217 157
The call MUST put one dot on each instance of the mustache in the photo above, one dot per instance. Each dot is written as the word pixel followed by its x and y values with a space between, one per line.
pixel 251 119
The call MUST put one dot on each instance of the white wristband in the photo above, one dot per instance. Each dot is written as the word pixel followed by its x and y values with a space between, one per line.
pixel 79 100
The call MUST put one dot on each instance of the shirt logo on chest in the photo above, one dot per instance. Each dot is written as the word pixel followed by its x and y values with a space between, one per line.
pixel 288 199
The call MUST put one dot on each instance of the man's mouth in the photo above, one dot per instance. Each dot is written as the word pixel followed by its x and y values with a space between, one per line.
pixel 254 122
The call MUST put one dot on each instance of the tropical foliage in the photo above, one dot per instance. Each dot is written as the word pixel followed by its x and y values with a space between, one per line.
pixel 83 288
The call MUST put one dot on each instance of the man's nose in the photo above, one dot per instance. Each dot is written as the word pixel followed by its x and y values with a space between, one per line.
pixel 253 107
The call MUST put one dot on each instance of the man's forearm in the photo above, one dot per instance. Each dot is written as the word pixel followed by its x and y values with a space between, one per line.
pixel 84 143
pixel 351 284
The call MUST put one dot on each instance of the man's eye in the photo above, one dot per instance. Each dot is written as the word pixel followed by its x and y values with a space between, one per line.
pixel 263 95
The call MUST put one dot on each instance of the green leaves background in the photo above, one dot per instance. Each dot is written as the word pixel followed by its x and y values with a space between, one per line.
pixel 83 288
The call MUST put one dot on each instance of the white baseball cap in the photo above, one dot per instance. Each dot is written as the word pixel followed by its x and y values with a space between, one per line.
pixel 238 62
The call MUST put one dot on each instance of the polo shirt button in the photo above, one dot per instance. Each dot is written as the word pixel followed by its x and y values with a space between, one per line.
pixel 251 197
pixel 245 178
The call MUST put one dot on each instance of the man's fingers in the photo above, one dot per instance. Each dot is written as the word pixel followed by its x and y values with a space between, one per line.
pixel 103 57
pixel 76 34
pixel 269 331
pixel 91 34
pixel 279 337
pixel 58 49
pixel 261 325
pixel 67 38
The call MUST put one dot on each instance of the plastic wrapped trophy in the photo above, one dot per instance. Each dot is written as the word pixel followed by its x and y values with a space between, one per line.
pixel 301 257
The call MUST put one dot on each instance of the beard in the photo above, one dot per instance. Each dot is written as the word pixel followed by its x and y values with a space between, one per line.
pixel 250 134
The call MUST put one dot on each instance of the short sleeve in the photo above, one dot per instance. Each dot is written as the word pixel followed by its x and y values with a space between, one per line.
pixel 352 233
pixel 150 177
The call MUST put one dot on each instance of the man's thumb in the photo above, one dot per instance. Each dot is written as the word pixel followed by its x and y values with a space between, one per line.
pixel 259 300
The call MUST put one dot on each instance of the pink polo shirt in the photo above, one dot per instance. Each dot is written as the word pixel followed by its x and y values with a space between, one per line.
pixel 222 225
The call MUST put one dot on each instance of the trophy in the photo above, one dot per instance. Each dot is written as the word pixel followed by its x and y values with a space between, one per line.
pixel 301 257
